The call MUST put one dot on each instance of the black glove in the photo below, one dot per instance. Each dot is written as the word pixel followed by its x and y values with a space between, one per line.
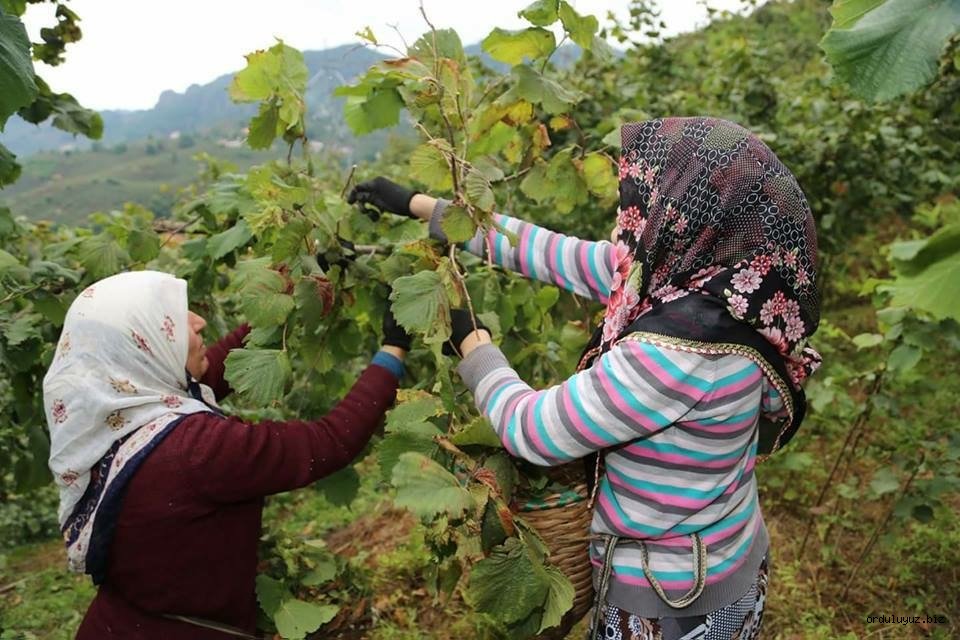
pixel 393 334
pixel 378 195
pixel 349 255
pixel 461 325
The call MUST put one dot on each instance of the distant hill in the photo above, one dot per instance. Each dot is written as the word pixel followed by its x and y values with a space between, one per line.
pixel 68 186
pixel 207 109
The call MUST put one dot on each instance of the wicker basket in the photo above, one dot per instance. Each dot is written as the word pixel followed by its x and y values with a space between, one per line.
pixel 563 521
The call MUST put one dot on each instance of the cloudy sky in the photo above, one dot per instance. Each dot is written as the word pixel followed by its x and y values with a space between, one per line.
pixel 132 50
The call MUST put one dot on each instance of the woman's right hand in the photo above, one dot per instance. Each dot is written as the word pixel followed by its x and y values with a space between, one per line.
pixel 381 194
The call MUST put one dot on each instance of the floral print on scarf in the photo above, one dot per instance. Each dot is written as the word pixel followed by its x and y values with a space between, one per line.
pixel 706 208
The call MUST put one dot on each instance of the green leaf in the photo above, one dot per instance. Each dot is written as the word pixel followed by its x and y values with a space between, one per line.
pixel 429 165
pixel 16 7
pixel 143 244
pixel 533 87
pixel 912 257
pixel 263 297
pixel 546 297
pixel 324 571
pixel 23 328
pixel 264 336
pixel 8 226
pixel 796 460
pixel 479 192
pixel 883 50
pixel 458 225
pixel 846 12
pixel 487 166
pixel 270 593
pixel 820 395
pixel 415 437
pixel 69 116
pixel 906 250
pixel 278 78
pixel 413 411
pixel 278 70
pixel 53 309
pixel 296 618
pixel 559 182
pixel 540 13
pixel 505 470
pixel 509 584
pixel 314 295
pixel 263 126
pixel 492 532
pixel 427 489
pixel 420 304
pixel 11 267
pixel 580 28
pixel 884 481
pixel 478 431
pixel 340 488
pixel 904 358
pixel 260 375
pixel 289 243
pixel 930 289
pixel 600 176
pixel 512 47
pixel 570 189
pixel 232 239
pixel 559 599
pixel 9 167
pixel 380 108
pixel 448 45
pixel 17 86
pixel 867 340
pixel 536 185
pixel 101 255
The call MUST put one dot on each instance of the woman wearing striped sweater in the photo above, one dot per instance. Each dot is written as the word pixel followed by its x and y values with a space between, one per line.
pixel 694 373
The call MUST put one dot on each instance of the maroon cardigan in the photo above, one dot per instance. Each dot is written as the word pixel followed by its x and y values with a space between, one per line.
pixel 186 538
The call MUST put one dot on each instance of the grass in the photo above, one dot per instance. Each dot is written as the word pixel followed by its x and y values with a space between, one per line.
pixel 67 187
pixel 38 598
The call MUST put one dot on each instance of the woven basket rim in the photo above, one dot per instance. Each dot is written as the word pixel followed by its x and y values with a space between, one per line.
pixel 549 501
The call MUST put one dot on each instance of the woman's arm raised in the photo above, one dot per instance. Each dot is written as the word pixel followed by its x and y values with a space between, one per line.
pixel 582 266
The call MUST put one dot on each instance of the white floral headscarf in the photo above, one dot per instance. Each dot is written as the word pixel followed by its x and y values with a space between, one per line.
pixel 118 376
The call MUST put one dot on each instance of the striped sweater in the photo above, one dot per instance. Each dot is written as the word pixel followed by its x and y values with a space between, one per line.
pixel 680 429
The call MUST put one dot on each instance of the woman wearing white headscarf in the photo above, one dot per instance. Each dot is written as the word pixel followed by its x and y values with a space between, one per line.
pixel 160 492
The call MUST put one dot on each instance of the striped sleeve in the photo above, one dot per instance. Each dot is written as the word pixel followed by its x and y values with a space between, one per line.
pixel 772 404
pixel 584 267
pixel 633 390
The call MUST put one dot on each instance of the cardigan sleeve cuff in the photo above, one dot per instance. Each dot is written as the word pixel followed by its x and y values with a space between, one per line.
pixel 436 231
pixel 480 362
pixel 390 362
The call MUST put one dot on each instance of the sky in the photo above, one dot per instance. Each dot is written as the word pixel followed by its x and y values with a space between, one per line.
pixel 132 50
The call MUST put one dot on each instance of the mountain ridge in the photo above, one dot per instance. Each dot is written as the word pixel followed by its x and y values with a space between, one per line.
pixel 201 108
pixel 207 109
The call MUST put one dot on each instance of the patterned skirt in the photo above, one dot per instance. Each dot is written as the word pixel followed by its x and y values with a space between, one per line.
pixel 738 621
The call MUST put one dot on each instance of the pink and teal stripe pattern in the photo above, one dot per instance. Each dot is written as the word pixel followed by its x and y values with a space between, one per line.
pixel 680 434
pixel 678 429
pixel 580 266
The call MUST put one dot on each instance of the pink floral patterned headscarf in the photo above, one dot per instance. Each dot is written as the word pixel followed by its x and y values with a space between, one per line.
pixel 706 208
